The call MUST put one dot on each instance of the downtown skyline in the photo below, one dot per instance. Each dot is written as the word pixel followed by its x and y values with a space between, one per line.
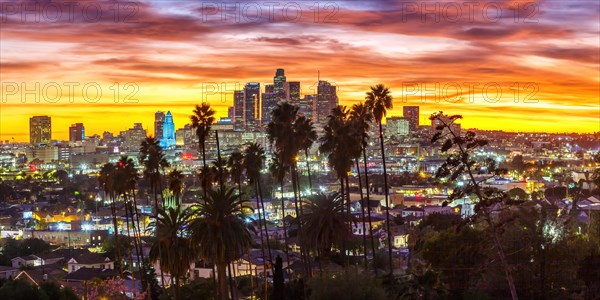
pixel 169 54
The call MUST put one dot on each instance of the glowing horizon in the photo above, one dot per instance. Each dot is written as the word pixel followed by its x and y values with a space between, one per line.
pixel 171 50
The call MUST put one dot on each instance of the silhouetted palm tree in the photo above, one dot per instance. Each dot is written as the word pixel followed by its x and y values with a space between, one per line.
pixel 254 160
pixel 106 181
pixel 281 134
pixel 306 134
pixel 379 100
pixel 170 228
pixel 220 231
pixel 202 119
pixel 220 169
pixel 208 176
pixel 361 118
pixel 126 177
pixel 325 224
pixel 153 159
pixel 176 185
pixel 278 171
pixel 235 163
pixel 339 141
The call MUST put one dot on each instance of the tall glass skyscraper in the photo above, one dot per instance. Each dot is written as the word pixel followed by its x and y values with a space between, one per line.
pixel 252 106
pixel 159 119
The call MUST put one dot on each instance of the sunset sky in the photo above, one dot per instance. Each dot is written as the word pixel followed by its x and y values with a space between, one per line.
pixel 164 52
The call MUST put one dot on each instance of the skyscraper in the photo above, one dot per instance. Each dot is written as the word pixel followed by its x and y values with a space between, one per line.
pixel 238 110
pixel 159 119
pixel 292 92
pixel 326 100
pixel 40 129
pixel 133 137
pixel 269 102
pixel 411 113
pixel 252 106
pixel 76 132
pixel 279 81
pixel 168 133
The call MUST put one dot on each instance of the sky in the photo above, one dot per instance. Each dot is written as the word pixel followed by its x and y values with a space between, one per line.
pixel 507 65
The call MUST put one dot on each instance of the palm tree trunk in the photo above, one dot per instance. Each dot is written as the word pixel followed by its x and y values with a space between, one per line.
pixel 285 237
pixel 129 246
pixel 369 208
pixel 343 195
pixel 231 285
pixel 138 238
pixel 176 288
pixel 308 170
pixel 202 147
pixel 264 217
pixel 113 209
pixel 387 200
pixel 262 240
pixel 362 212
pixel 162 276
pixel 222 281
pixel 349 211
pixel 298 215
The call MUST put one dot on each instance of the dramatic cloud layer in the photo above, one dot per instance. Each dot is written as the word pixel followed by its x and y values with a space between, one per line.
pixel 512 65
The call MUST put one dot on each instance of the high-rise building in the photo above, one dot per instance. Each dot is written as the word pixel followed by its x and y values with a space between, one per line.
pixel 396 126
pixel 326 101
pixel 279 81
pixel 76 132
pixel 411 113
pixel 186 136
pixel 40 129
pixel 269 102
pixel 252 106
pixel 309 106
pixel 292 91
pixel 133 137
pixel 238 110
pixel 159 119
pixel 168 134
pixel 230 112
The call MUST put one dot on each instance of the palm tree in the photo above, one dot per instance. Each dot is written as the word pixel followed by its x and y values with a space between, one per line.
pixel 379 100
pixel 325 224
pixel 208 176
pixel 220 169
pixel 176 185
pixel 278 171
pixel 126 177
pixel 106 181
pixel 202 119
pixel 306 134
pixel 235 163
pixel 282 137
pixel 361 117
pixel 154 161
pixel 254 160
pixel 339 142
pixel 220 232
pixel 171 232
